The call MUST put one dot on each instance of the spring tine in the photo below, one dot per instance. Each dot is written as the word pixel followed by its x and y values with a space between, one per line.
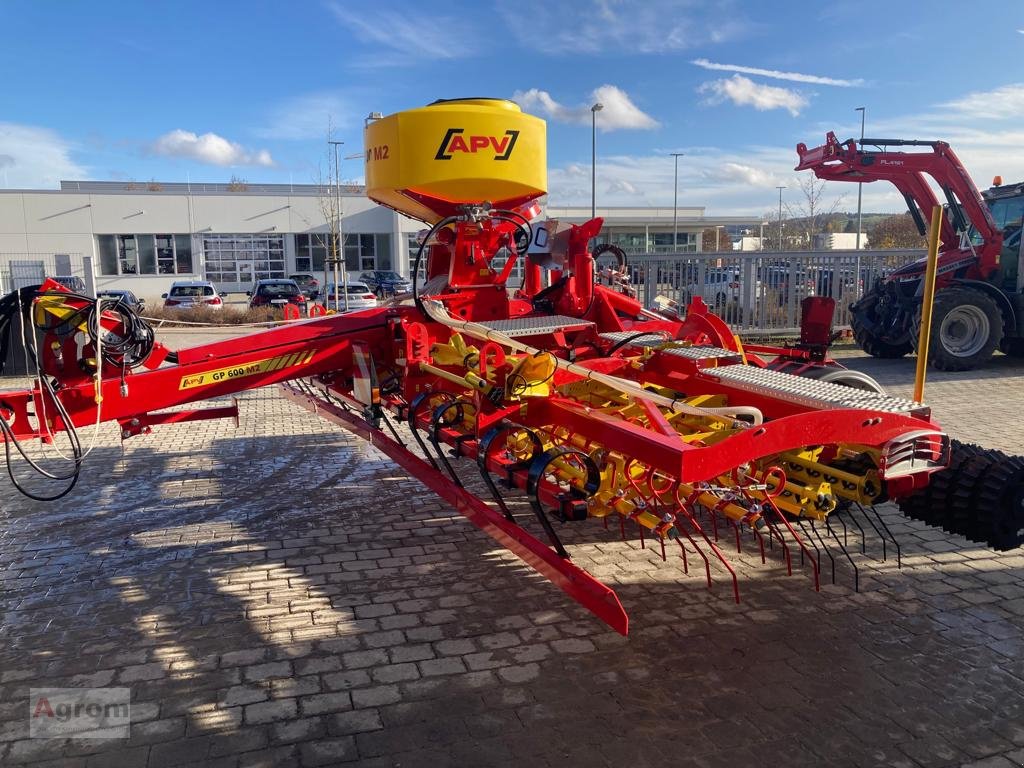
pixel 846 540
pixel 737 529
pixel 662 540
pixel 622 527
pixel 605 521
pixel 760 541
pixel 895 543
pixel 824 546
pixel 855 521
pixel 803 547
pixel 714 522
pixel 842 548
pixel 774 531
pixel 719 555
pixel 686 565
pixel 707 563
pixel 489 481
pixel 885 555
pixel 391 428
pixel 817 552
pixel 643 544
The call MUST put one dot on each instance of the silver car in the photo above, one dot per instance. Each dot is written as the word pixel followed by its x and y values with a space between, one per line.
pixel 359 297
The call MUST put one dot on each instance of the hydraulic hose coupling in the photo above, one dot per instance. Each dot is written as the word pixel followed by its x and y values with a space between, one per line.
pixel 475 212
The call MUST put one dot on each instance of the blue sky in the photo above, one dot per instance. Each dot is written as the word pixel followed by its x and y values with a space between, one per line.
pixel 208 91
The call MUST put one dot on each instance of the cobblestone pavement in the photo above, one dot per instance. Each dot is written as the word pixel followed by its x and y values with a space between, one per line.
pixel 280 594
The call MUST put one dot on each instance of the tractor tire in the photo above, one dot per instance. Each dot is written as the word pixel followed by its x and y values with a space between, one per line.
pixel 874 346
pixel 1013 347
pixel 967 328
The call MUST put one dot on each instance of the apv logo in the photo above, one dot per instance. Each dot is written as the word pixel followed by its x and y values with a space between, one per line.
pixel 454 141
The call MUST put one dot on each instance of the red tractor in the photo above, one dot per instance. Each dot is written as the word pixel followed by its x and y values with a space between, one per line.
pixel 979 300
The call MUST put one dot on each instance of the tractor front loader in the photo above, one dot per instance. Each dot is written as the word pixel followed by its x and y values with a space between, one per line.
pixel 527 410
pixel 979 300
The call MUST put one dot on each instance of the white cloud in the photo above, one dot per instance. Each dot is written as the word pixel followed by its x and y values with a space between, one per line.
pixel 1001 103
pixel 407 35
pixel 776 74
pixel 572 27
pixel 623 186
pixel 619 112
pixel 307 117
pixel 208 148
pixel 32 157
pixel 743 91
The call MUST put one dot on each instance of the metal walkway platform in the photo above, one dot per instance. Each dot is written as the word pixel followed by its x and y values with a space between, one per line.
pixel 699 353
pixel 536 326
pixel 809 392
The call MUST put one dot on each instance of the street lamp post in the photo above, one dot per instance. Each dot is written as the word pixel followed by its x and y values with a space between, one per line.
pixel 780 217
pixel 675 205
pixel 593 158
pixel 860 191
pixel 340 244
pixel 860 185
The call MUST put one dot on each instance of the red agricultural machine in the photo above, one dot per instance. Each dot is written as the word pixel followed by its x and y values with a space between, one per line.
pixel 566 394
pixel 979 303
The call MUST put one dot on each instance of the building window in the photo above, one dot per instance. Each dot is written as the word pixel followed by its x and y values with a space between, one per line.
pixel 364 252
pixel 311 252
pixel 145 254
pixel 413 247
pixel 243 258
pixel 127 254
pixel 108 255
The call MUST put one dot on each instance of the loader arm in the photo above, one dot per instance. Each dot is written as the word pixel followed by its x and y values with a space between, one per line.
pixel 836 161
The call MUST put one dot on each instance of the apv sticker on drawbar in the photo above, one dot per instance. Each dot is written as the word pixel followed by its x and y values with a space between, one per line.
pixel 242 371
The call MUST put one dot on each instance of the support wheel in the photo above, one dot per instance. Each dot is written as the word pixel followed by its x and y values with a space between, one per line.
pixel 979 496
pixel 875 346
pixel 967 328
pixel 845 377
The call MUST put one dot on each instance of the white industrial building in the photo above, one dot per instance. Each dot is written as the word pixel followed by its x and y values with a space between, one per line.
pixel 144 236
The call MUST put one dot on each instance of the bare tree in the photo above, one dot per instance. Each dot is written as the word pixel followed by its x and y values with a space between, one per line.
pixel 769 232
pixel 329 199
pixel 713 239
pixel 809 216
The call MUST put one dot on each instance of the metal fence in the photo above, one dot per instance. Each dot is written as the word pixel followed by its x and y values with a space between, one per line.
pixel 20 270
pixel 761 291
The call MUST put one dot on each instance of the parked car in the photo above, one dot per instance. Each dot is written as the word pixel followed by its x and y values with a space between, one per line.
pixel 308 284
pixel 359 297
pixel 189 294
pixel 720 287
pixel 777 279
pixel 384 282
pixel 276 293
pixel 127 298
pixel 73 283
pixel 847 280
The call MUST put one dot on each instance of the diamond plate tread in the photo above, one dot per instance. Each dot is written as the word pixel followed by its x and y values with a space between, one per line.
pixel 810 392
pixel 536 326
pixel 655 339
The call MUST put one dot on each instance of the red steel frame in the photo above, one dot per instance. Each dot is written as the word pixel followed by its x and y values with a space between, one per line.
pixel 342 355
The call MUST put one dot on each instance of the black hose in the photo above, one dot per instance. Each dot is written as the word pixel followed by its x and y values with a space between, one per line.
pixel 419 255
pixel 623 342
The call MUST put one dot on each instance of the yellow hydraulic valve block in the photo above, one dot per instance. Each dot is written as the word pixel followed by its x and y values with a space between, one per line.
pixel 423 162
